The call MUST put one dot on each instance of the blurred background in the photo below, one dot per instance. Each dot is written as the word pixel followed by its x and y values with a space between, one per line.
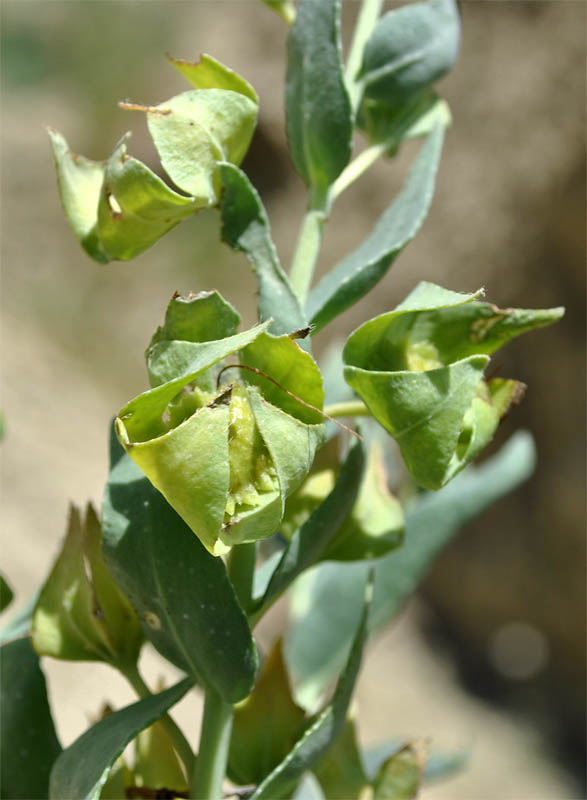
pixel 491 655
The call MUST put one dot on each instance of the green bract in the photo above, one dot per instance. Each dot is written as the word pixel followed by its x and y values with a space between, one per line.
pixel 118 208
pixel 224 447
pixel 419 369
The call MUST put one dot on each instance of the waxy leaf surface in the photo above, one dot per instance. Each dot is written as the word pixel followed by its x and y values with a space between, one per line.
pixel 358 272
pixel 182 594
pixel 81 614
pixel 325 600
pixel 28 741
pixel 410 49
pixel 245 228
pixel 323 732
pixel 318 111
pixel 83 768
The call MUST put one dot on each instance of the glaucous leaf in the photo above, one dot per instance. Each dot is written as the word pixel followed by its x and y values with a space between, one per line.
pixel 83 768
pixel 6 593
pixel 80 184
pixel 28 741
pixel 266 725
pixel 182 594
pixel 419 369
pixel 245 228
pixel 400 776
pixel 318 111
pixel 208 73
pixel 358 272
pixel 321 734
pixel 340 771
pixel 226 458
pixel 325 599
pixel 81 614
pixel 136 208
pixel 196 130
pixel 410 49
pixel 390 125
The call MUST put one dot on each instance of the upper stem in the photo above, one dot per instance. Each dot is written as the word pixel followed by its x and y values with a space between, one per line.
pixel 368 16
pixel 306 252
pixel 210 769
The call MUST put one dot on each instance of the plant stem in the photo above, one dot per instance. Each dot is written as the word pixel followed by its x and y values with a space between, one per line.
pixel 368 15
pixel 352 408
pixel 175 733
pixel 356 168
pixel 241 571
pixel 210 767
pixel 306 252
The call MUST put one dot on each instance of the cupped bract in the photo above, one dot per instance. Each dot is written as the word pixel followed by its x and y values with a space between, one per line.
pixel 224 443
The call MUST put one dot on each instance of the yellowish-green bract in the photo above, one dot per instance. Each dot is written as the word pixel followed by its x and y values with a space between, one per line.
pixel 225 451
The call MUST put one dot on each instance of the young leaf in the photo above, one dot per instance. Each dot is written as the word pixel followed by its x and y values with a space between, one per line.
pixel 285 9
pixel 196 130
pixel 399 777
pixel 81 614
pixel 309 541
pixel 419 370
pixel 182 594
pixel 358 272
pixel 325 600
pixel 245 227
pixel 28 742
pixel 318 111
pixel 80 184
pixel 323 732
pixel 83 768
pixel 136 208
pixel 410 49
pixel 208 73
pixel 266 725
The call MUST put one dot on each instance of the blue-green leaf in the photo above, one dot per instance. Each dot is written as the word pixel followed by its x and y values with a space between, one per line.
pixel 83 768
pixel 182 594
pixel 323 732
pixel 358 272
pixel 245 227
pixel 325 599
pixel 28 742
pixel 318 111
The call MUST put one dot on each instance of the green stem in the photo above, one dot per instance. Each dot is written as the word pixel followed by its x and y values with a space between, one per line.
pixel 241 571
pixel 175 733
pixel 352 408
pixel 210 769
pixel 356 168
pixel 368 16
pixel 306 252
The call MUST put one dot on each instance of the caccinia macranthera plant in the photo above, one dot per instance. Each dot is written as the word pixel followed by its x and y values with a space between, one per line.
pixel 233 477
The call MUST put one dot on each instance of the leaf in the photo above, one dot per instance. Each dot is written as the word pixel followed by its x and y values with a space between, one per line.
pixel 285 9
pixel 136 208
pixel 390 125
pixel 6 593
pixel 340 772
pixel 308 789
pixel 318 111
pixel 28 742
pixel 80 184
pixel 82 769
pixel 182 594
pixel 439 764
pixel 419 370
pixel 323 732
pixel 325 599
pixel 358 272
pixel 266 725
pixel 307 544
pixel 245 228
pixel 410 49
pixel 400 776
pixel 156 763
pixel 208 73
pixel 81 614
pixel 197 129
